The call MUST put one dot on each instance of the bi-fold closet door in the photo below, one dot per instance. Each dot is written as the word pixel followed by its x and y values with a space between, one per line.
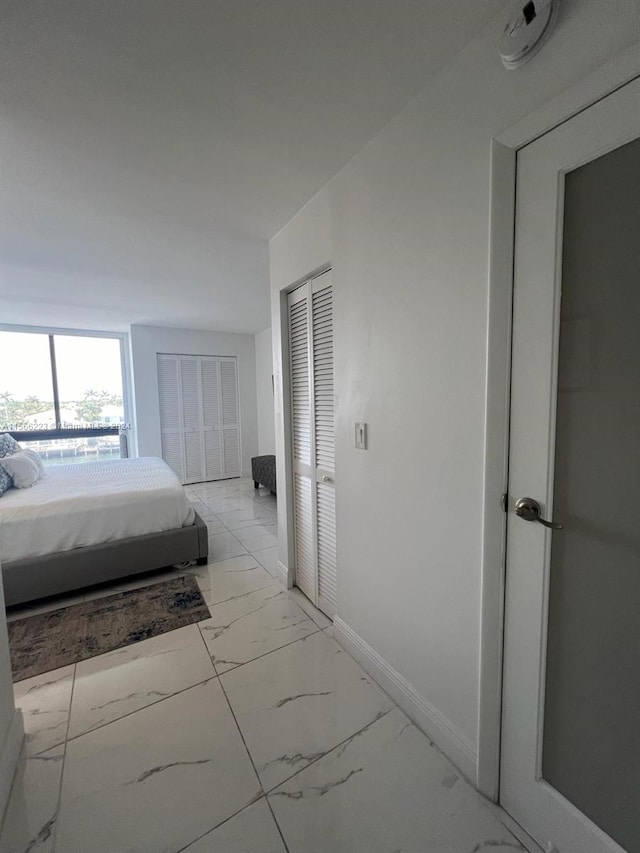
pixel 199 416
pixel 313 446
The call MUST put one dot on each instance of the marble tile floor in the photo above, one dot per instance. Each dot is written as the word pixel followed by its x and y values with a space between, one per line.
pixel 249 732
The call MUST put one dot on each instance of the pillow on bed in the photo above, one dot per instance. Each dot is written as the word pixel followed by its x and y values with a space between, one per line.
pixel 8 446
pixel 21 468
pixel 5 481
pixel 36 458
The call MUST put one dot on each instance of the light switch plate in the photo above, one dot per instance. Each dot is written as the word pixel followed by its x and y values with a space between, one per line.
pixel 361 435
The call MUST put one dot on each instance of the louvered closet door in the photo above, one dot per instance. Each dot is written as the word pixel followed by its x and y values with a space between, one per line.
pixel 192 419
pixel 211 419
pixel 170 413
pixel 303 472
pixel 311 354
pixel 199 416
pixel 232 463
pixel 322 351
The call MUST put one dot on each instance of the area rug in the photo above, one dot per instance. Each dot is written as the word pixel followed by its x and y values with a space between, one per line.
pixel 50 640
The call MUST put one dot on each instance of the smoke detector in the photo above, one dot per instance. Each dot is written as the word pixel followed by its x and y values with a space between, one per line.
pixel 526 31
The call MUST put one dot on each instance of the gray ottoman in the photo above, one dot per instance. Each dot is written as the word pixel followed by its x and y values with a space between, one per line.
pixel 263 471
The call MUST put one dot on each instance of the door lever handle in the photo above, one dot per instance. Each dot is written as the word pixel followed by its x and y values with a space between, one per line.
pixel 529 510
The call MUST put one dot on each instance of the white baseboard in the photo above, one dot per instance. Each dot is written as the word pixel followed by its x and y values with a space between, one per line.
pixel 456 746
pixel 9 756
pixel 284 575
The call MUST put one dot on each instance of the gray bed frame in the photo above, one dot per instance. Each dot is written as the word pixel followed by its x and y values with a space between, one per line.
pixel 40 577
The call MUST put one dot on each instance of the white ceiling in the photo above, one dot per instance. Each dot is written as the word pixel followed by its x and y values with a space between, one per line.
pixel 151 147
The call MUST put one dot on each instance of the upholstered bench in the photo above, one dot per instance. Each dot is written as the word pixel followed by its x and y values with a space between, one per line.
pixel 263 471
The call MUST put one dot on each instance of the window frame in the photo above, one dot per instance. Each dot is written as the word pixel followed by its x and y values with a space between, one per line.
pixel 49 331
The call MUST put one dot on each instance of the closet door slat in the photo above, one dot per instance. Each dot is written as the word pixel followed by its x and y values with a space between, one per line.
pixel 305 536
pixel 322 310
pixel 300 393
pixel 326 536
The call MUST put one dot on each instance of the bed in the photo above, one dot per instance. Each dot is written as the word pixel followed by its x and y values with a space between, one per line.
pixel 88 523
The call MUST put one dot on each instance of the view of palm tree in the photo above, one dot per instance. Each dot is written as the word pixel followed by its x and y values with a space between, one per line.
pixel 94 407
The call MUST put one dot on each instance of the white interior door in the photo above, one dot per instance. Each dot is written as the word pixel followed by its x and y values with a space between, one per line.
pixel 303 479
pixel 324 440
pixel 312 414
pixel 570 771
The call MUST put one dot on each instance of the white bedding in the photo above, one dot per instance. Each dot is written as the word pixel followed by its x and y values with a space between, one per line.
pixel 90 503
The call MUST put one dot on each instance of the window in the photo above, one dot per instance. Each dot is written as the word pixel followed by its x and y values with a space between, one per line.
pixel 62 394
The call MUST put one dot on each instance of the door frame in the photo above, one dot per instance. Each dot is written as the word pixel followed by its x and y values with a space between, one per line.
pixel 287 572
pixel 621 70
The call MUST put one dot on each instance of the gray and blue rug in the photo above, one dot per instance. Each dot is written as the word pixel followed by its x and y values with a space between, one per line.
pixel 50 640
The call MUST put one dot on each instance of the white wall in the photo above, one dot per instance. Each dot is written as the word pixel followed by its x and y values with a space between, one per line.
pixel 405 226
pixel 148 341
pixel 264 391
